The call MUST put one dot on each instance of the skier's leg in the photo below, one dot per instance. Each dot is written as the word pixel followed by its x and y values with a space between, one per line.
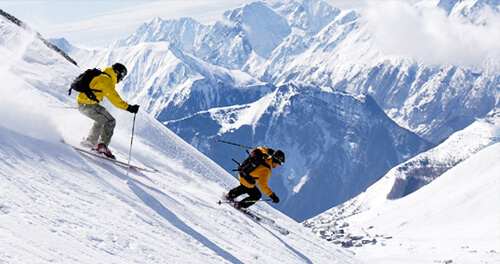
pixel 95 131
pixel 254 195
pixel 108 128
pixel 235 192
pixel 104 123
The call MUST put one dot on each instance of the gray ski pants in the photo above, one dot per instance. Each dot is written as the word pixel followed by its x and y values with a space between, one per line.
pixel 102 130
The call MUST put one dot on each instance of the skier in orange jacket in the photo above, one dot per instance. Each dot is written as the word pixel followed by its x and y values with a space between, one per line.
pixel 260 175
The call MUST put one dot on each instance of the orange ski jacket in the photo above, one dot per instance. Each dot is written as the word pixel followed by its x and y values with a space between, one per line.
pixel 261 175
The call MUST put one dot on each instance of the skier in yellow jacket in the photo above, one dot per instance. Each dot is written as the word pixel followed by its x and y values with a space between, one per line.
pixel 260 176
pixel 101 132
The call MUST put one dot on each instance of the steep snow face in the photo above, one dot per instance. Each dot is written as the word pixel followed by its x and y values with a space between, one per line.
pixel 263 28
pixel 57 205
pixel 308 15
pixel 18 50
pixel 474 11
pixel 183 32
pixel 335 144
pixel 455 214
pixel 223 43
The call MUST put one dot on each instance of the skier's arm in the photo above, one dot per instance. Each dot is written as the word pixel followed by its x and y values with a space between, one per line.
pixel 263 180
pixel 113 96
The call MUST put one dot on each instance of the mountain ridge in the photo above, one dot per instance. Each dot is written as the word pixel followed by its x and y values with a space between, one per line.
pixel 343 54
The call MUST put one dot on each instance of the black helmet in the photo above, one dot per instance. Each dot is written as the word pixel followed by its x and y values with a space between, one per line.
pixel 120 70
pixel 279 157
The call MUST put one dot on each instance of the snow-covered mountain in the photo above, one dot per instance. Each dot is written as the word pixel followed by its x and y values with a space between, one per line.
pixel 310 41
pixel 455 216
pixel 57 205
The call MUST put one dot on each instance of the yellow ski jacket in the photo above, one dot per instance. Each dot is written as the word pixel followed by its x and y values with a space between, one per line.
pixel 105 86
pixel 261 175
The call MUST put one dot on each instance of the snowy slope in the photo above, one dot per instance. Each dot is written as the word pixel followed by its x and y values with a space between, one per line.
pixel 57 205
pixel 453 218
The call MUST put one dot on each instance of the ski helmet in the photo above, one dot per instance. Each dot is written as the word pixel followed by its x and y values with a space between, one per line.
pixel 279 157
pixel 120 70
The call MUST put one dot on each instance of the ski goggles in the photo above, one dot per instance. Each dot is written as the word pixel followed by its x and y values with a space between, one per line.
pixel 277 160
pixel 121 75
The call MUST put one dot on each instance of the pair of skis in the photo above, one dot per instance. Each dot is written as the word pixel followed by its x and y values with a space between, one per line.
pixel 257 217
pixel 117 162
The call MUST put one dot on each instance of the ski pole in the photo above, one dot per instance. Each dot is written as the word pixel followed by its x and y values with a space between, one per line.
pixel 131 141
pixel 254 201
pixel 231 143
pixel 250 201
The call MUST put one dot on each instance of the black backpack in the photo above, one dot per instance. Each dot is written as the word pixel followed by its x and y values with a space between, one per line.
pixel 250 163
pixel 82 83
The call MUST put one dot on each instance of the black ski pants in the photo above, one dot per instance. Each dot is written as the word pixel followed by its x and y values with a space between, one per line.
pixel 253 195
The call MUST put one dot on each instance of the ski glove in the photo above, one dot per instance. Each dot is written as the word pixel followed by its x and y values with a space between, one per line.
pixel 133 109
pixel 274 198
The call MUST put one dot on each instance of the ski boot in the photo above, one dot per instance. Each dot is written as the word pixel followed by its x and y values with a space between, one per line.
pixel 102 149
